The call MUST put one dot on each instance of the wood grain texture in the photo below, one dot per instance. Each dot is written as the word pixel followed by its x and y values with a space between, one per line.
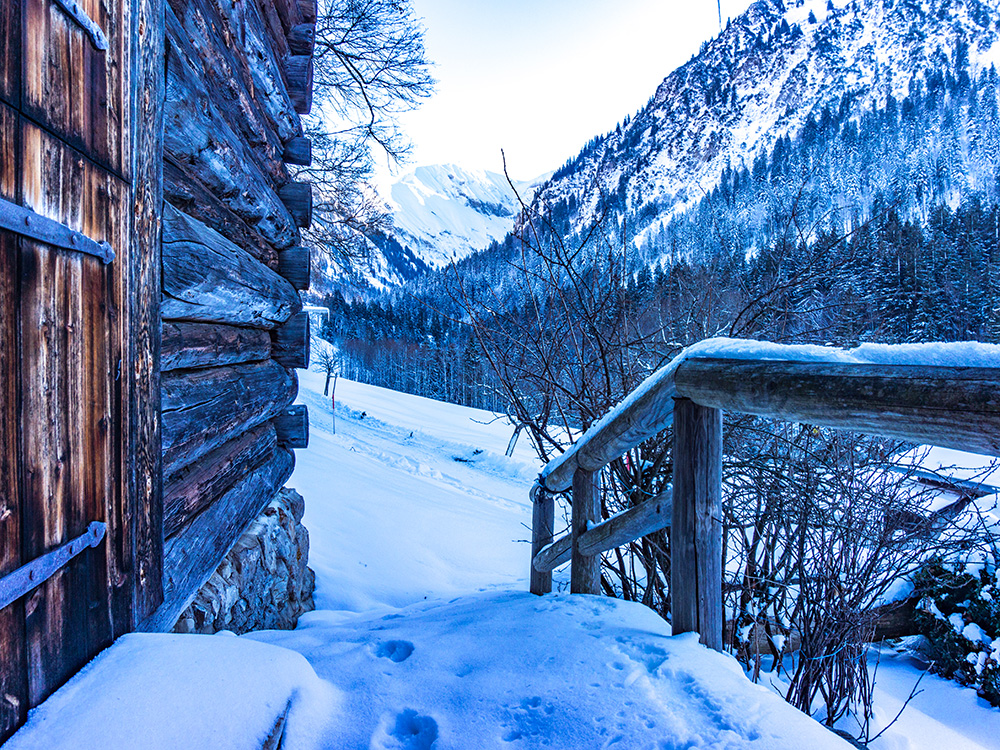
pixel 302 39
pixel 954 407
pixel 71 430
pixel 290 342
pixel 651 413
pixel 198 345
pixel 645 518
pixel 299 78
pixel 75 91
pixel 295 264
pixel 585 572
pixel 205 37
pixel 292 426
pixel 183 191
pixel 265 58
pixel 696 525
pixel 202 409
pixel 298 199
pixel 196 487
pixel 207 278
pixel 142 562
pixel 10 55
pixel 298 151
pixel 543 518
pixel 191 556
pixel 198 136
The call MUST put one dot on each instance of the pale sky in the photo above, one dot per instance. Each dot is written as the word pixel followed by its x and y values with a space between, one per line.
pixel 539 78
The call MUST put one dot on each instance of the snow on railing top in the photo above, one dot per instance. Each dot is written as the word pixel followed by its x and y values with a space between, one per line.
pixel 648 408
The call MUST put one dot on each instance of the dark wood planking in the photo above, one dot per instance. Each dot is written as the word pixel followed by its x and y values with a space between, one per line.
pixel 198 136
pixel 696 523
pixel 209 279
pixel 75 90
pixel 292 426
pixel 196 487
pixel 298 199
pixel 197 345
pixel 954 407
pixel 140 298
pixel 191 556
pixel 290 342
pixel 13 662
pixel 182 190
pixel 202 409
pixel 10 55
pixel 585 573
pixel 295 264
pixel 70 419
pixel 543 517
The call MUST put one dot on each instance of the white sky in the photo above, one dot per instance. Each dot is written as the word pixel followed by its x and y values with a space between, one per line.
pixel 539 78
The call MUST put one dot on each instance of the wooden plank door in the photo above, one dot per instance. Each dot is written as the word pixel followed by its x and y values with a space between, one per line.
pixel 77 345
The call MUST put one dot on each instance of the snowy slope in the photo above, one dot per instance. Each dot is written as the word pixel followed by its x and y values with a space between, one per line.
pixel 760 80
pixel 444 212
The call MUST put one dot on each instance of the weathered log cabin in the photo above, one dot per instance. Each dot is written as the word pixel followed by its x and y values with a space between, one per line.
pixel 150 319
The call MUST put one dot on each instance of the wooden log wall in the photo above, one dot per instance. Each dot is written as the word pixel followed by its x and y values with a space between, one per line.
pixel 238 77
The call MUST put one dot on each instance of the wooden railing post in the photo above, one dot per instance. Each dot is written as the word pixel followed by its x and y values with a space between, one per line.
pixel 696 527
pixel 585 573
pixel 543 519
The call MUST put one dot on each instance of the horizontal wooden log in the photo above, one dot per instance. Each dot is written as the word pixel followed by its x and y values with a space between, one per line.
pixel 195 345
pixel 191 556
pixel 276 31
pixel 298 199
pixel 652 411
pixel 290 342
pixel 182 190
pixel 289 12
pixel 954 407
pixel 207 278
pixel 298 151
pixel 202 409
pixel 302 39
pixel 266 60
pixel 295 264
pixel 299 79
pixel 196 487
pixel 647 517
pixel 198 136
pixel 197 31
pixel 292 426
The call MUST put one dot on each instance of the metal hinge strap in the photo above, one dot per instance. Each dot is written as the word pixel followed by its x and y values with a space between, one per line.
pixel 27 223
pixel 27 577
pixel 85 22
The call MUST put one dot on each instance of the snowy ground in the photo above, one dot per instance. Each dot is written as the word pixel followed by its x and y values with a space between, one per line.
pixel 424 637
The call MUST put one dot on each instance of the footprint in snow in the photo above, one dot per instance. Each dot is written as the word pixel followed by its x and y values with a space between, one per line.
pixel 407 730
pixel 397 651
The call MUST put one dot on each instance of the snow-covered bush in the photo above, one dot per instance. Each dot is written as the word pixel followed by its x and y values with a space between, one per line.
pixel 960 615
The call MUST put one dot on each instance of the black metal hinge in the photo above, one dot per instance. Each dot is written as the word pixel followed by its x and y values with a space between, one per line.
pixel 85 22
pixel 15 585
pixel 27 223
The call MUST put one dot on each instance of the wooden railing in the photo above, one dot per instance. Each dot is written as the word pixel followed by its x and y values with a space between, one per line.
pixel 921 393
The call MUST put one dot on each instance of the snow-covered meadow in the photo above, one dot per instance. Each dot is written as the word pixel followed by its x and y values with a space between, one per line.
pixel 425 637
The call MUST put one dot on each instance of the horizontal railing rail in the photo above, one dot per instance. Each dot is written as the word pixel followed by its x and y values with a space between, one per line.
pixel 938 394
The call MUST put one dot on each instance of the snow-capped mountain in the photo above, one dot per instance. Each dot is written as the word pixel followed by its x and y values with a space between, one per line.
pixel 758 82
pixel 443 212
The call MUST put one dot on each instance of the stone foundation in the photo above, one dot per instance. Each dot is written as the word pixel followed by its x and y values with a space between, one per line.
pixel 264 582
